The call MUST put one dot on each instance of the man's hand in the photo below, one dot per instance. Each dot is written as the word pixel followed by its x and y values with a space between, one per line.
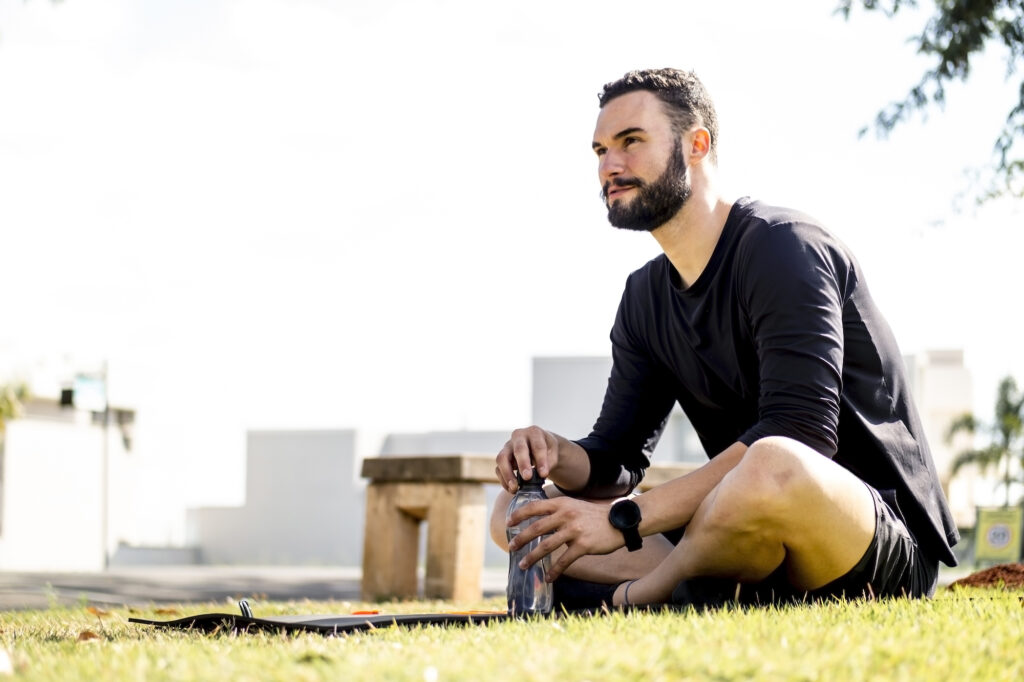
pixel 581 526
pixel 527 448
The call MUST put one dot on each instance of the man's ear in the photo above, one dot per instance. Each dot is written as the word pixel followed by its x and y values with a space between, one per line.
pixel 699 143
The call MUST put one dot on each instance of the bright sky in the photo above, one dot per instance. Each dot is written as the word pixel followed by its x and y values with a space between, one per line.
pixel 286 214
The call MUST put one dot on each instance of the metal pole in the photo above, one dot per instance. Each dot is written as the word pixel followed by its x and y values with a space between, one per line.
pixel 105 482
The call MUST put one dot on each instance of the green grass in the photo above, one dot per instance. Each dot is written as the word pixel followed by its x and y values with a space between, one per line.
pixel 962 635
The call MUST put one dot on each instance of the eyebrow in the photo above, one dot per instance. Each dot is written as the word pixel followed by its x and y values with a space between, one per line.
pixel 621 134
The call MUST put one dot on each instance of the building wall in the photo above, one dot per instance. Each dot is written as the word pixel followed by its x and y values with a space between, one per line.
pixel 305 501
pixel 943 390
pixel 304 504
pixel 52 497
pixel 444 442
pixel 567 397
pixel 304 497
pixel 567 393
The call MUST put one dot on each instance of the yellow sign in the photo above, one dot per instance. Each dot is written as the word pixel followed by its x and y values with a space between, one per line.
pixel 997 535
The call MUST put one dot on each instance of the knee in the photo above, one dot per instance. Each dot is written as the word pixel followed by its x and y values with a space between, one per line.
pixel 766 481
pixel 773 467
pixel 497 527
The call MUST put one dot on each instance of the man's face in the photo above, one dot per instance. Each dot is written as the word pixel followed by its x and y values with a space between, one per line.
pixel 642 168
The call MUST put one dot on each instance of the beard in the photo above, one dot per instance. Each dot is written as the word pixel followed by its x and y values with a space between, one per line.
pixel 655 203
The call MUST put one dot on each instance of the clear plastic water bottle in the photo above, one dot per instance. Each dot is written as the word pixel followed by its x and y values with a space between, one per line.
pixel 528 592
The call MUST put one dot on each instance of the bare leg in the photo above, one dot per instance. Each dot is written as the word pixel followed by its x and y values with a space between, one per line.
pixel 782 504
pixel 611 568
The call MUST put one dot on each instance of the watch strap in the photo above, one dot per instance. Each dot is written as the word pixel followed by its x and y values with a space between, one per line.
pixel 630 529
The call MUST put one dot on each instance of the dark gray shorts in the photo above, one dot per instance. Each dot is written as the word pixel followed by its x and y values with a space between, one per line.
pixel 892 566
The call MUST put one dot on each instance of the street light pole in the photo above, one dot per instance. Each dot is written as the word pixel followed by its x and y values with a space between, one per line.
pixel 105 482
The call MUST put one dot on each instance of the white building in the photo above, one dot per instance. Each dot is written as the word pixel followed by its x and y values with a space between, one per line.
pixel 56 512
pixel 304 498
pixel 567 396
pixel 304 504
pixel 943 391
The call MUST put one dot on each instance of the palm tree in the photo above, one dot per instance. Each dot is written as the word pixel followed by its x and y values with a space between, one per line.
pixel 1006 436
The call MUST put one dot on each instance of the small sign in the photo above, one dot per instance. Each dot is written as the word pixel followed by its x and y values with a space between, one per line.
pixel 998 534
pixel 90 393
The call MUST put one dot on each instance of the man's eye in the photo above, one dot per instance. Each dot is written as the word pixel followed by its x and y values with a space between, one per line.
pixel 629 140
pixel 600 151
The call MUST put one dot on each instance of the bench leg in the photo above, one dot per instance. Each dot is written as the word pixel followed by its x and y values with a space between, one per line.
pixel 455 515
pixel 455 541
pixel 390 545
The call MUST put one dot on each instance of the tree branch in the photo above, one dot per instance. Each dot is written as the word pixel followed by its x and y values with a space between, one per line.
pixel 956 32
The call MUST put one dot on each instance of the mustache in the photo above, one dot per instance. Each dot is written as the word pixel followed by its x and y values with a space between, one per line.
pixel 621 182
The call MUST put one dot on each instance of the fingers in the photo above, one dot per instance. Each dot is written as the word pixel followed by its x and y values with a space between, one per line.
pixel 546 546
pixel 527 448
pixel 521 449
pixel 542 449
pixel 545 523
pixel 573 551
pixel 504 471
pixel 581 527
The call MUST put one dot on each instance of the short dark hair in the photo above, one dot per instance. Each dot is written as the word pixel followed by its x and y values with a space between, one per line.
pixel 687 101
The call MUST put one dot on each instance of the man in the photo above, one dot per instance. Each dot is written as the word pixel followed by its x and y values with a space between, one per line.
pixel 759 323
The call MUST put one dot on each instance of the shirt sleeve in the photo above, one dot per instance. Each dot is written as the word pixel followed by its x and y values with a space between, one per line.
pixel 636 406
pixel 791 280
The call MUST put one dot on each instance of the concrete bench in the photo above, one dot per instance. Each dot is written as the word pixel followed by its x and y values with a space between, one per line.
pixel 446 492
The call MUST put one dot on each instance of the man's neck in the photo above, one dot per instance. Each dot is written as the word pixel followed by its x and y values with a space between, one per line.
pixel 690 237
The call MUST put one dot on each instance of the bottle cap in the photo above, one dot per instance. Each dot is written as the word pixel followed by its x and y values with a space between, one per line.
pixel 536 480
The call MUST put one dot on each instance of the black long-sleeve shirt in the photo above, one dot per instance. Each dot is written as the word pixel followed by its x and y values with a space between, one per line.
pixel 778 336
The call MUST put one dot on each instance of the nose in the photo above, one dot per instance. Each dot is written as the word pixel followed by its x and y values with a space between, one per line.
pixel 610 165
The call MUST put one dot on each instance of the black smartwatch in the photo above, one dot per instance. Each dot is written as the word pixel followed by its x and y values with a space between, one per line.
pixel 625 515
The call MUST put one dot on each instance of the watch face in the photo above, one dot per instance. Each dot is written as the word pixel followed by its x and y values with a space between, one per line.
pixel 625 514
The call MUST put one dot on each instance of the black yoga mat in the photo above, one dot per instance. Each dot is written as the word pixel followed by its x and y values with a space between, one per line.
pixel 322 623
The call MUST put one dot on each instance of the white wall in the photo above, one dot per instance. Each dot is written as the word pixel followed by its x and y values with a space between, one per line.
pixel 304 497
pixel 567 397
pixel 943 390
pixel 568 392
pixel 303 505
pixel 445 443
pixel 52 497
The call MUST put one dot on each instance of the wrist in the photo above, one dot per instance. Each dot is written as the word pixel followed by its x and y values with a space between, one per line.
pixel 571 469
pixel 624 515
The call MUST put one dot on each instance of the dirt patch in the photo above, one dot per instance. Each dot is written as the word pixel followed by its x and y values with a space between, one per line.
pixel 1007 576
